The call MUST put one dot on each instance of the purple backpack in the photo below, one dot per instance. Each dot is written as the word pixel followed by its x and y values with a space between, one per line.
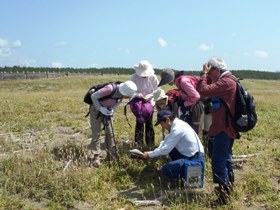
pixel 142 109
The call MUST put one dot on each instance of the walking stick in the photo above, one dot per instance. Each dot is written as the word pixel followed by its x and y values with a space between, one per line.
pixel 105 122
pixel 108 118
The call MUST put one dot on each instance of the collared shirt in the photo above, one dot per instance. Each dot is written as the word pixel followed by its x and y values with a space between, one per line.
pixel 182 137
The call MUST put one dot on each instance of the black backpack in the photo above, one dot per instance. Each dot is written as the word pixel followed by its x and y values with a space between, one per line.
pixel 245 117
pixel 87 98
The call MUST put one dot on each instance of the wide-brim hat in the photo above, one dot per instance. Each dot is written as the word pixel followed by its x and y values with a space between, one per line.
pixel 144 69
pixel 167 76
pixel 128 88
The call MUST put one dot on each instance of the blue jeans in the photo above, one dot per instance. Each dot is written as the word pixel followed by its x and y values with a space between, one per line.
pixel 175 168
pixel 221 158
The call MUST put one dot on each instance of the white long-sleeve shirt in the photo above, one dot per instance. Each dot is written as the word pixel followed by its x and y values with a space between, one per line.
pixel 182 137
pixel 146 86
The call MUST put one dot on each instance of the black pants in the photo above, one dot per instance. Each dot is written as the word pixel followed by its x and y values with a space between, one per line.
pixel 149 133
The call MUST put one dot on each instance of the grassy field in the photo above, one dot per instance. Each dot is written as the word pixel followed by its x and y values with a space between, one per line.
pixel 43 151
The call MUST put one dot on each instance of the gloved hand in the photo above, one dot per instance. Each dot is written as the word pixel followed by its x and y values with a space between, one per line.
pixel 105 111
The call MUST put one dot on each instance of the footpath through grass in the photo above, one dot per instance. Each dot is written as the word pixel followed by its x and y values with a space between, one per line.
pixel 43 152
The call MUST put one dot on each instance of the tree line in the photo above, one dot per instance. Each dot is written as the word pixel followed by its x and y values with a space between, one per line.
pixel 244 74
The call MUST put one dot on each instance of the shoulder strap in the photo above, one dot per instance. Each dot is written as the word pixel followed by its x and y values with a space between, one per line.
pixel 233 78
pixel 115 87
pixel 124 109
pixel 196 137
pixel 223 102
pixel 228 114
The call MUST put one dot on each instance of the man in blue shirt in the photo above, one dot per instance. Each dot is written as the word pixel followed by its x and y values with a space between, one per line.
pixel 181 144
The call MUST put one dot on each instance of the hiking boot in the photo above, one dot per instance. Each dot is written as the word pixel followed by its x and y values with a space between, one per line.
pixel 218 202
pixel 231 180
pixel 96 161
pixel 231 176
pixel 223 192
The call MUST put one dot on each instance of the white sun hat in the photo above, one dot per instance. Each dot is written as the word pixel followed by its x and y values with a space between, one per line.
pixel 128 88
pixel 160 94
pixel 144 69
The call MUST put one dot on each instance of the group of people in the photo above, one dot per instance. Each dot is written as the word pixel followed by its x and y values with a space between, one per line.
pixel 182 112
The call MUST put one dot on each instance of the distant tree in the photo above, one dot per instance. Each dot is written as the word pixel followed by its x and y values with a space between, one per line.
pixel 245 74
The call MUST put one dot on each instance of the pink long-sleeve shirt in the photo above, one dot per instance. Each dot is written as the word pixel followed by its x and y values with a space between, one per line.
pixel 187 88
pixel 107 102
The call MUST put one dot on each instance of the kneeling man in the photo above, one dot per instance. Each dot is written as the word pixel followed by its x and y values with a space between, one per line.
pixel 182 145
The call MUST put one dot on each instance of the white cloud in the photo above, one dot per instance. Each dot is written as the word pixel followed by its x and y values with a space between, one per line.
pixel 6 50
pixel 61 44
pixel 57 65
pixel 27 62
pixel 162 42
pixel 261 54
pixel 17 60
pixel 16 44
pixel 9 55
pixel 205 47
pixel 3 43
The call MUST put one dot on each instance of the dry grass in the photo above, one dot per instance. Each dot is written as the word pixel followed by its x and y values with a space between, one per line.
pixel 43 129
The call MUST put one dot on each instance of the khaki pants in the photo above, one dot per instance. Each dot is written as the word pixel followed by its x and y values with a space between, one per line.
pixel 197 117
pixel 96 121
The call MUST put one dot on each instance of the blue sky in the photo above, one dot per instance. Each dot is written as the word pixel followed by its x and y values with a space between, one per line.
pixel 180 34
